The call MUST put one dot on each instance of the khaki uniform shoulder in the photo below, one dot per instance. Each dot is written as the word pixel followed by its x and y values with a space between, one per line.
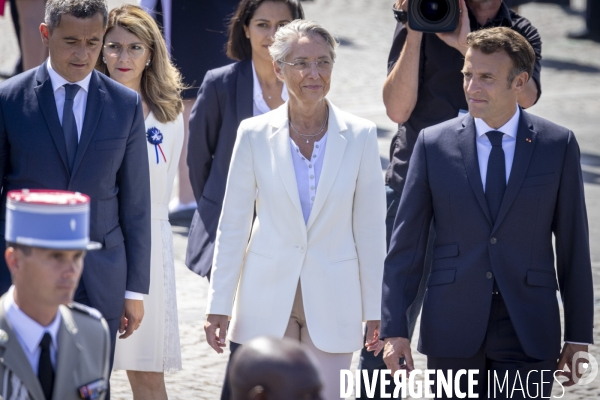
pixel 85 310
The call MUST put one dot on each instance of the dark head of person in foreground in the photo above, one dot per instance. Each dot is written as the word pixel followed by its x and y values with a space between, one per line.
pixel 274 369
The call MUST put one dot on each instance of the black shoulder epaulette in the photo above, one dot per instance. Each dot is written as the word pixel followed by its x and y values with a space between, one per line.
pixel 92 312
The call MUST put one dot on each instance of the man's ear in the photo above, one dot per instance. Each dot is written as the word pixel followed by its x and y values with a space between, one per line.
pixel 257 393
pixel 45 32
pixel 12 259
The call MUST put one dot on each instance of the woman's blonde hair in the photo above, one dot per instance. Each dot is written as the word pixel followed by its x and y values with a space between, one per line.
pixel 161 84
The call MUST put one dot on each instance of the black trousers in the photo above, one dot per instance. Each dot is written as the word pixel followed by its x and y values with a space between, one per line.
pixel 368 361
pixel 512 374
pixel 592 16
pixel 226 391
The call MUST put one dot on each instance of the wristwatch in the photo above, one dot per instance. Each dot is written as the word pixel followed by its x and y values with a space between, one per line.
pixel 400 15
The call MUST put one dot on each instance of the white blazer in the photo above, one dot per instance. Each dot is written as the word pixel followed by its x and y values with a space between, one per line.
pixel 337 255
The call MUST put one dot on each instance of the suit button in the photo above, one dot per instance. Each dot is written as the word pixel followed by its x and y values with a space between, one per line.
pixel 493 240
pixel 489 275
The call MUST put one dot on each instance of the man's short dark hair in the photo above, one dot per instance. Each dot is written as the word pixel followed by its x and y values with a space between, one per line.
pixel 24 249
pixel 55 9
pixel 519 50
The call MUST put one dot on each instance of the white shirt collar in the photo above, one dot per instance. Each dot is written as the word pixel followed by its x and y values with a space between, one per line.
pixel 58 81
pixel 29 331
pixel 510 128
pixel 257 89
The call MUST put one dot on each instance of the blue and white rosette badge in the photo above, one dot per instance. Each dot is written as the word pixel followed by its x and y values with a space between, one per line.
pixel 155 137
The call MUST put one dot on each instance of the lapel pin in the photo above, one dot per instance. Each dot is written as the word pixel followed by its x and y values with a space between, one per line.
pixel 528 140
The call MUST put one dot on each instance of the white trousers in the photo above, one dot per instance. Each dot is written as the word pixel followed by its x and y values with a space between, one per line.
pixel 330 364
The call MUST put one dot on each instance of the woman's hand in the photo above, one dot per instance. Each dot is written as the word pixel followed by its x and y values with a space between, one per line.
pixel 373 343
pixel 214 323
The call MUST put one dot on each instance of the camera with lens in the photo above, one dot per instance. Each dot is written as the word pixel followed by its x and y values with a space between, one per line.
pixel 433 15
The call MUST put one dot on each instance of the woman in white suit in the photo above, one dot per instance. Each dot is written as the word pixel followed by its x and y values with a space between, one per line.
pixel 313 267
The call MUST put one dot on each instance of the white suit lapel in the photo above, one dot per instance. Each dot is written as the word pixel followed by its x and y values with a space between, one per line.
pixel 280 146
pixel 334 153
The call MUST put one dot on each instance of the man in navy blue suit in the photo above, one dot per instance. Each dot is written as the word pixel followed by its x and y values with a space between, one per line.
pixel 65 126
pixel 498 184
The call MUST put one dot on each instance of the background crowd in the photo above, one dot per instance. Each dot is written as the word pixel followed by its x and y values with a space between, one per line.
pixel 248 88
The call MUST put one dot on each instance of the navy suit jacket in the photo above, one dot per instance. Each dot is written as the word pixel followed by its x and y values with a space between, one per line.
pixel 224 100
pixel 111 166
pixel 544 196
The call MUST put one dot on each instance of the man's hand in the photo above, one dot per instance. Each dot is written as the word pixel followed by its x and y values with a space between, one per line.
pixel 566 359
pixel 400 3
pixel 133 313
pixel 373 343
pixel 396 348
pixel 458 38
pixel 214 323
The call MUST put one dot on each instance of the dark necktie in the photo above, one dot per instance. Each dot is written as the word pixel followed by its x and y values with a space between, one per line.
pixel 495 180
pixel 68 123
pixel 45 370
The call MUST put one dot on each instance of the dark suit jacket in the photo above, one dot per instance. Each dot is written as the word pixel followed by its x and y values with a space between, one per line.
pixel 111 166
pixel 224 100
pixel 544 196
pixel 204 50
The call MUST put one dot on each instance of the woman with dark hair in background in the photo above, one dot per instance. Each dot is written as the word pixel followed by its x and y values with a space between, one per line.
pixel 227 96
pixel 135 55
pixel 193 55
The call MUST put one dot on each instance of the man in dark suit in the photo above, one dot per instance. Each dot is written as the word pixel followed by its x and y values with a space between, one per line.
pixel 65 126
pixel 498 183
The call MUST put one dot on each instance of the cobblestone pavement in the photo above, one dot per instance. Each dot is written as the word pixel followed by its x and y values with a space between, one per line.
pixel 571 97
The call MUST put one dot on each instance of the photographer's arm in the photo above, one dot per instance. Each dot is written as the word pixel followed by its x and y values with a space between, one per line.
pixel 402 84
pixel 529 95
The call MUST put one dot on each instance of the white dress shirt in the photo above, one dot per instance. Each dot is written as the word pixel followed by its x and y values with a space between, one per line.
pixel 29 332
pixel 259 105
pixel 308 173
pixel 79 106
pixel 484 146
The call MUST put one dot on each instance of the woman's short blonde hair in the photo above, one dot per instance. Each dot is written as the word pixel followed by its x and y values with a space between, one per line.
pixel 282 44
pixel 161 82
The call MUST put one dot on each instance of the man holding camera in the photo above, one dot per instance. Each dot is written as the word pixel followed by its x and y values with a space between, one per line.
pixel 424 88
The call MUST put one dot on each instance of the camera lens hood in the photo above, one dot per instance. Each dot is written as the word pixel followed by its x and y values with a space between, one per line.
pixel 433 15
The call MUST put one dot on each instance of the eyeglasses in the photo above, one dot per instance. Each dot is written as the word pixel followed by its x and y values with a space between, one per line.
pixel 322 65
pixel 134 50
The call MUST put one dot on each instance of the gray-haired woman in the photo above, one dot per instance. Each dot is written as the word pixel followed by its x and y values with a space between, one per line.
pixel 313 267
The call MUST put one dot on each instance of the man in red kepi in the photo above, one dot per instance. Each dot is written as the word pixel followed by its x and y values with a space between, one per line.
pixel 50 347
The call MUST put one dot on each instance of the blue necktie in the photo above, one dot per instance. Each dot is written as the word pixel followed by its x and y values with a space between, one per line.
pixel 495 181
pixel 68 123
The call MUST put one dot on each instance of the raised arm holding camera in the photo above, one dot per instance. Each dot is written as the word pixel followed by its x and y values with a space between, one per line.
pixel 424 85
